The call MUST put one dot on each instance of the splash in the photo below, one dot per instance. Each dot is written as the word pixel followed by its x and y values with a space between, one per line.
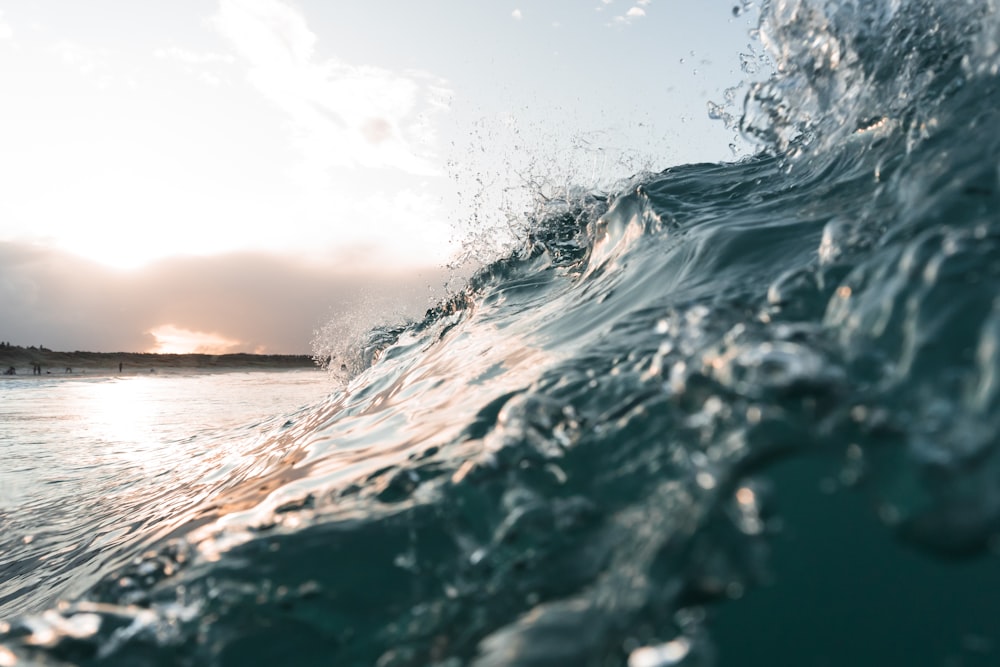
pixel 845 67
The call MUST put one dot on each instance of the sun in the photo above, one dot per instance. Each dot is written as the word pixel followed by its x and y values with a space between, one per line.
pixel 171 339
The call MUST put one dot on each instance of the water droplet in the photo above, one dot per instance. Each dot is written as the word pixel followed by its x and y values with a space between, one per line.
pixel 663 655
pixel 746 496
pixel 406 561
pixel 705 480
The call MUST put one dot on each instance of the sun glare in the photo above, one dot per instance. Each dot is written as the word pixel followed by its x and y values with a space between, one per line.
pixel 171 339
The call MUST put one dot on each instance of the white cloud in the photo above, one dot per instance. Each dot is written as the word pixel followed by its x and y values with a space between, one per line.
pixel 210 79
pixel 207 66
pixel 93 63
pixel 342 114
pixel 6 32
pixel 192 57
pixel 635 12
pixel 80 58
pixel 517 14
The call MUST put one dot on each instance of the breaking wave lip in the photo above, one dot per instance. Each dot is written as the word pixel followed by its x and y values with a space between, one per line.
pixel 844 67
pixel 580 456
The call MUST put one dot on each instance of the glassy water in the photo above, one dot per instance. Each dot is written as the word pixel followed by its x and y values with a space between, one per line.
pixel 94 468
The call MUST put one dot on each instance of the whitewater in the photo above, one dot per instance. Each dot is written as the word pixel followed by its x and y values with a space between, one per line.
pixel 730 414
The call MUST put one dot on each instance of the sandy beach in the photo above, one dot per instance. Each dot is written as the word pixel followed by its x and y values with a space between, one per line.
pixel 24 361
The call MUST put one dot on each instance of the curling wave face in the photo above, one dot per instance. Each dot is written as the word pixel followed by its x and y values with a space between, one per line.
pixel 580 457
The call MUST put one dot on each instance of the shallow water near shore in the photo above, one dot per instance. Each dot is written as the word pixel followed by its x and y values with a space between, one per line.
pixel 96 467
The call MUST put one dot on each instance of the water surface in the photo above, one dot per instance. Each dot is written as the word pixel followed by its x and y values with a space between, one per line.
pixel 95 468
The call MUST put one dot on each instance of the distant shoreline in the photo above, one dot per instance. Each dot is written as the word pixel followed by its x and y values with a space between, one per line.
pixel 68 364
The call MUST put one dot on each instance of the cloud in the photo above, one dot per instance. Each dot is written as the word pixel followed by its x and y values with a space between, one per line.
pixel 634 13
pixel 517 14
pixel 99 65
pixel 192 57
pixel 210 78
pixel 171 339
pixel 242 302
pixel 207 66
pixel 342 115
pixel 87 61
pixel 6 32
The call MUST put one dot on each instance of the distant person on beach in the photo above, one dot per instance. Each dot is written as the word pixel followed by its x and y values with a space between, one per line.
pixel 10 371
pixel 119 367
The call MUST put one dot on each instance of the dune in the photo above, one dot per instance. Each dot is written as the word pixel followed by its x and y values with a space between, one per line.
pixel 52 363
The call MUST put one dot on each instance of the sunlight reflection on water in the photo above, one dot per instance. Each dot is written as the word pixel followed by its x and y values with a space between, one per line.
pixel 80 454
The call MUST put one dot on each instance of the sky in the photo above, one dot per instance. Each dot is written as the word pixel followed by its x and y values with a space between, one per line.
pixel 202 175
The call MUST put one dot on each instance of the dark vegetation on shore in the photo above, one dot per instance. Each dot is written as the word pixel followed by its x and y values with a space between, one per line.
pixel 24 359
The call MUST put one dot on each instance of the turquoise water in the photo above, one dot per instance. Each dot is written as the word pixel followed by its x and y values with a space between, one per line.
pixel 732 414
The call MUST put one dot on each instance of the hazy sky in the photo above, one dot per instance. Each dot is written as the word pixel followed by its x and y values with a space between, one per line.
pixel 234 145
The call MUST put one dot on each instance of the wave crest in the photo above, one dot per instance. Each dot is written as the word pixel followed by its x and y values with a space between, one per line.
pixel 842 68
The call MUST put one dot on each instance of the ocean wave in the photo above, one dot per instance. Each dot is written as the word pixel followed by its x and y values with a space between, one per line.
pixel 593 451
